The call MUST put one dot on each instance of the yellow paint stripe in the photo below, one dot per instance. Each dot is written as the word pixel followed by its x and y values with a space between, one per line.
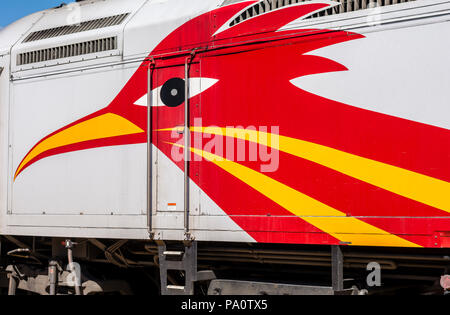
pixel 425 189
pixel 104 126
pixel 326 218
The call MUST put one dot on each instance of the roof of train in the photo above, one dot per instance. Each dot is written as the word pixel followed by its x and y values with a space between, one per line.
pixel 93 10
pixel 134 26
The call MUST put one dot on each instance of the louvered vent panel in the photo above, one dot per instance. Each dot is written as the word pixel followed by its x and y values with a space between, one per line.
pixel 355 5
pixel 76 28
pixel 72 50
pixel 345 6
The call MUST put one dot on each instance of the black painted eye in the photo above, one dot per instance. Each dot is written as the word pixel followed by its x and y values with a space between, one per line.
pixel 172 92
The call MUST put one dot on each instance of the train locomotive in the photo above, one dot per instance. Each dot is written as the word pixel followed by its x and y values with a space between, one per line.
pixel 226 147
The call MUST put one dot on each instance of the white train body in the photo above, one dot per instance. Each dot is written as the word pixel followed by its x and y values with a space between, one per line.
pixel 91 194
pixel 401 69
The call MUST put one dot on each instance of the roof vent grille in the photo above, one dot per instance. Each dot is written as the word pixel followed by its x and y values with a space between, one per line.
pixel 343 7
pixel 262 7
pixel 72 50
pixel 355 5
pixel 76 28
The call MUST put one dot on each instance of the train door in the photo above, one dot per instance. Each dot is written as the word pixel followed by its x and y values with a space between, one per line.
pixel 170 119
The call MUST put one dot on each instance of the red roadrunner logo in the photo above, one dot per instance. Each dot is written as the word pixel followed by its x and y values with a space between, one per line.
pixel 346 175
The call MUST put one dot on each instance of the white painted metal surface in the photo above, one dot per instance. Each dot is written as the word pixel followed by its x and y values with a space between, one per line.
pixel 4 113
pixel 386 79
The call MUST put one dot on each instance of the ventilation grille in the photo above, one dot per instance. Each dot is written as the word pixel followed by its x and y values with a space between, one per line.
pixel 76 28
pixel 78 49
pixel 262 7
pixel 355 5
pixel 345 6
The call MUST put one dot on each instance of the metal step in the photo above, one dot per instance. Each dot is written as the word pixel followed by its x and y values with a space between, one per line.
pixel 187 263
pixel 175 287
pixel 173 253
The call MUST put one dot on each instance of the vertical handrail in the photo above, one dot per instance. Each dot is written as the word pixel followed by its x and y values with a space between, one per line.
pixel 150 149
pixel 187 148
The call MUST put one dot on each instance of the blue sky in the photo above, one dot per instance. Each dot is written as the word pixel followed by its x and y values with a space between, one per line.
pixel 12 10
